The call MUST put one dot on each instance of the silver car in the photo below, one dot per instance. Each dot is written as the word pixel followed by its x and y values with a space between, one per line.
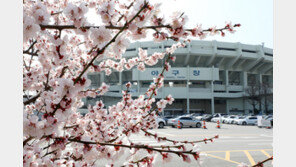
pixel 185 122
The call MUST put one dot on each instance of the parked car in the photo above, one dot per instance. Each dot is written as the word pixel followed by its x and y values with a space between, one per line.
pixel 217 117
pixel 161 122
pixel 166 118
pixel 198 116
pixel 185 122
pixel 266 121
pixel 231 119
pixel 224 118
pixel 207 117
pixel 249 120
pixel 239 118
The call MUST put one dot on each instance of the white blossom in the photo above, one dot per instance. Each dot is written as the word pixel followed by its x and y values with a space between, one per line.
pixel 100 36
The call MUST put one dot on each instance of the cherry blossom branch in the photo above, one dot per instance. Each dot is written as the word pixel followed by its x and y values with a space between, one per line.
pixel 27 140
pixel 141 160
pixel 260 164
pixel 100 130
pixel 100 51
pixel 26 66
pixel 31 46
pixel 48 153
pixel 31 53
pixel 134 146
pixel 63 71
pixel 63 27
pixel 33 99
pixel 69 27
pixel 153 92
pixel 174 141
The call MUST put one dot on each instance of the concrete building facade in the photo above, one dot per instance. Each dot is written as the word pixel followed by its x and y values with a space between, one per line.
pixel 207 76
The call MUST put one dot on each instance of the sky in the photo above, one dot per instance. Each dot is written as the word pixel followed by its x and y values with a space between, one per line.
pixel 255 16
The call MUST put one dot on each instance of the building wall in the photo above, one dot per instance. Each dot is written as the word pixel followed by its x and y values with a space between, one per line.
pixel 235 104
pixel 203 70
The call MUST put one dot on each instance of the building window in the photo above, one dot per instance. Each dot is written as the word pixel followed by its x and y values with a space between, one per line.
pixel 218 82
pixel 131 49
pixel 228 49
pixel 248 51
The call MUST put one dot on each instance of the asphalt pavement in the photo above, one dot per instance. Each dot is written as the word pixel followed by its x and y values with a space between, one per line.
pixel 236 144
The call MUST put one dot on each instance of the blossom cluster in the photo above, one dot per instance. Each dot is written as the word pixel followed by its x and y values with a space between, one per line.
pixel 60 47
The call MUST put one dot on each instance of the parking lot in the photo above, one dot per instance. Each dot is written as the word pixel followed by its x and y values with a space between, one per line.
pixel 236 144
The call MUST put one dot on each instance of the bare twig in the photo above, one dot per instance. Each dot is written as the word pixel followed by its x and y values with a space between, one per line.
pixel 260 164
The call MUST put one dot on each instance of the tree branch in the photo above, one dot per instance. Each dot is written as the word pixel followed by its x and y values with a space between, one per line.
pixel 100 51
pixel 27 140
pixel 174 141
pixel 260 164
pixel 133 146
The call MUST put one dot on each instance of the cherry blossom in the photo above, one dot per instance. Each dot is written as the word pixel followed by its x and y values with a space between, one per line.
pixel 100 36
pixel 60 47
pixel 30 28
pixel 120 46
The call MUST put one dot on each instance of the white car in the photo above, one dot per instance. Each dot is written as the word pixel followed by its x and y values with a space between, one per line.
pixel 237 119
pixel 217 117
pixel 198 118
pixel 224 118
pixel 160 122
pixel 266 121
pixel 250 120
pixel 230 119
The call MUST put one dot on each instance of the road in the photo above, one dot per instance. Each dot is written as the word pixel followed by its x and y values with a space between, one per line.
pixel 236 144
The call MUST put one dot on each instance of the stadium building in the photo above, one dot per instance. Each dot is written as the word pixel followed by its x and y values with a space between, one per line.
pixel 207 77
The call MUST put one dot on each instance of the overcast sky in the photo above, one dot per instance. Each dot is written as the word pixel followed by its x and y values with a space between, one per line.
pixel 255 16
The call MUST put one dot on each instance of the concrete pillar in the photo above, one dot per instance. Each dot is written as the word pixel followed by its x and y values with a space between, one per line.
pixel 241 79
pixel 138 81
pixel 260 78
pixel 245 85
pixel 188 107
pixel 260 85
pixel 120 80
pixel 246 109
pixel 244 105
pixel 187 91
pixel 213 105
pixel 226 81
pixel 102 77
pixel 227 109
pixel 212 87
pixel 245 80
pixel 138 86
